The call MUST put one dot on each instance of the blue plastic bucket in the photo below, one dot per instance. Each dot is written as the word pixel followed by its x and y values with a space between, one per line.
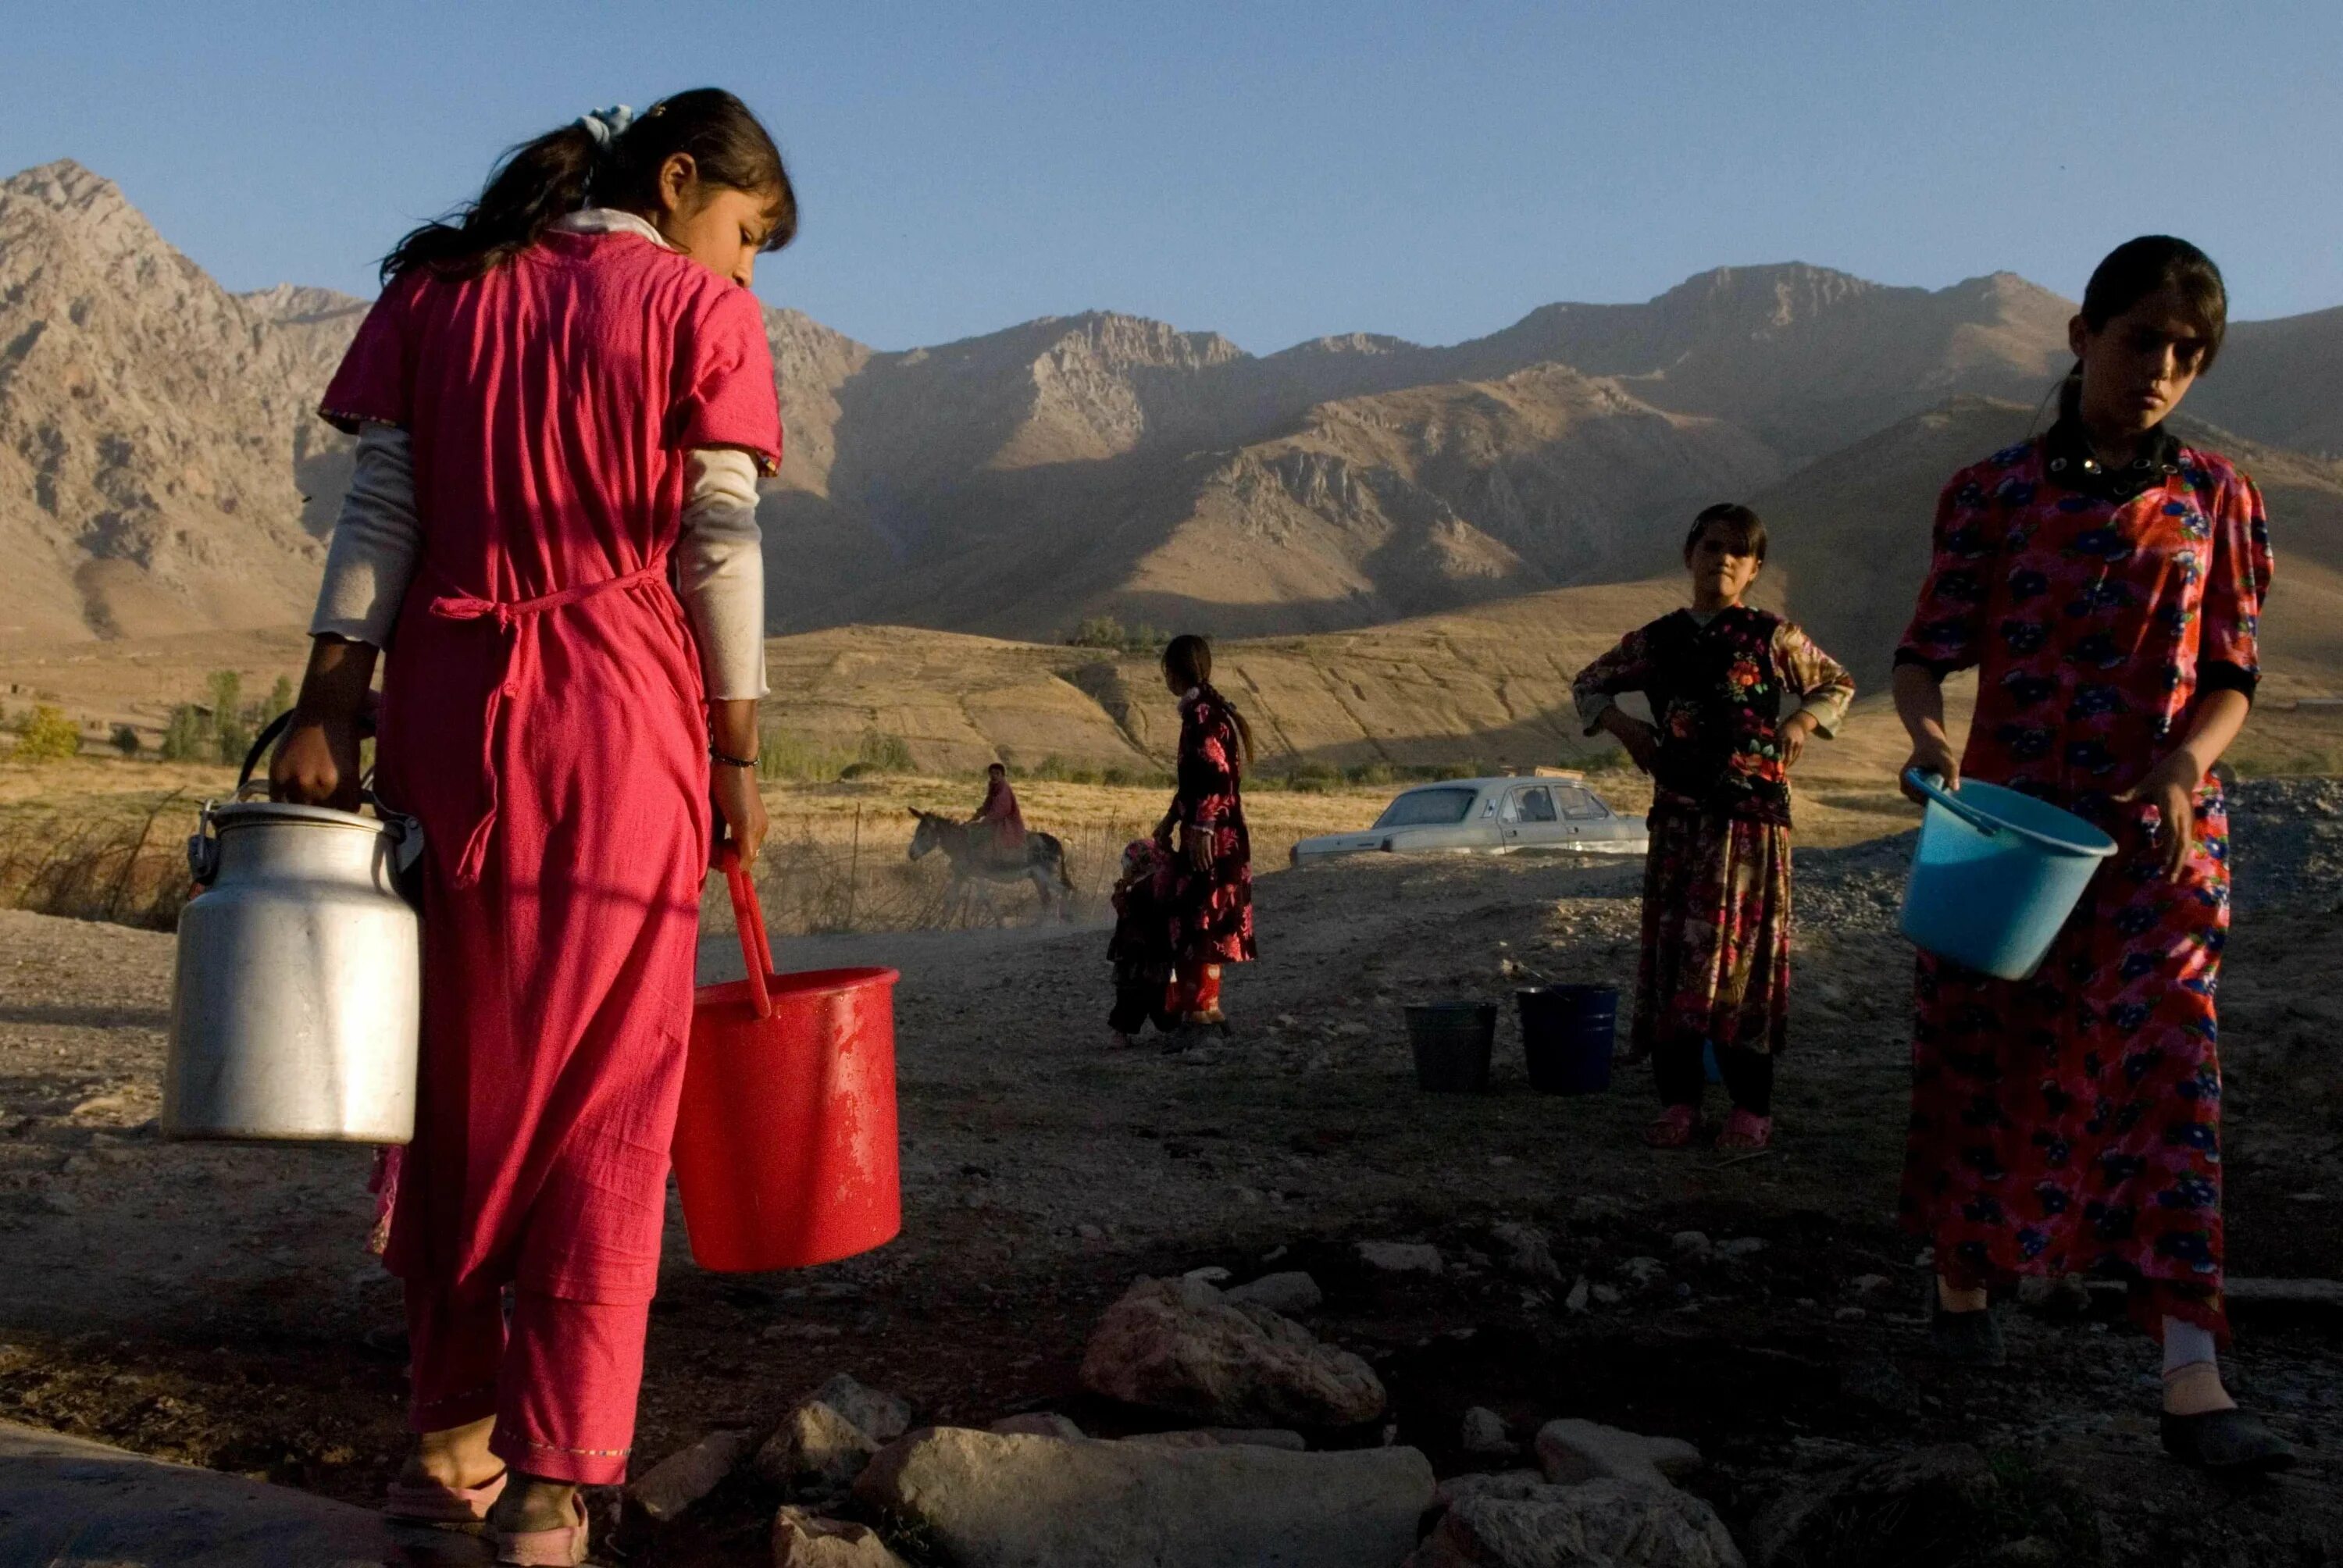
pixel 1998 874
pixel 1568 1032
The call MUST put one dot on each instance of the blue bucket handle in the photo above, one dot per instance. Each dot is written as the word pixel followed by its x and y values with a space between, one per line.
pixel 1932 785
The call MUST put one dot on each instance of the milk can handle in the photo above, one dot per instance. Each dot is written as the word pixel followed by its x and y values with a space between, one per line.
pixel 756 948
pixel 1932 785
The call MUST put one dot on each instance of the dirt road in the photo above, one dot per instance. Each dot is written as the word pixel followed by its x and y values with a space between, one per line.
pixel 214 1304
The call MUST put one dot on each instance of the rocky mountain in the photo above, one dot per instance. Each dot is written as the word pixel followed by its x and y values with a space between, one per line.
pixel 160 469
pixel 147 427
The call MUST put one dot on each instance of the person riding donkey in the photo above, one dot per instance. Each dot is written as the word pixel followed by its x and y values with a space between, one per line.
pixel 998 826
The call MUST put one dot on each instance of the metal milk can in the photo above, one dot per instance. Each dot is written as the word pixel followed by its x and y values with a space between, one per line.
pixel 296 1007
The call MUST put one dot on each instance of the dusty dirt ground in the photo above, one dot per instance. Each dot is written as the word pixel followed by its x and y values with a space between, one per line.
pixel 214 1304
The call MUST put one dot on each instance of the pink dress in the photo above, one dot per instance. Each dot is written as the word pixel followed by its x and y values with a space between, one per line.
pixel 543 716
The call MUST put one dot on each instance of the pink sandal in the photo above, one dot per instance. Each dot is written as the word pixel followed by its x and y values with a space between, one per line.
pixel 431 1502
pixel 1674 1127
pixel 563 1546
pixel 1746 1131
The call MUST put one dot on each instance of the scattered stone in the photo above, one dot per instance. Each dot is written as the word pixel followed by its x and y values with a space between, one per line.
pixel 1741 1247
pixel 1088 1233
pixel 1292 1291
pixel 1599 1524
pixel 2064 1297
pixel 809 1333
pixel 802 1540
pixel 1400 1257
pixel 1515 1484
pixel 1573 1451
pixel 1576 1301
pixel 816 1453
pixel 687 1475
pixel 1176 1346
pixel 1484 1432
pixel 991 1502
pixel 1226 1437
pixel 1530 1250
pixel 1607 1296
pixel 883 1415
pixel 58 1201
pixel 1850 1314
pixel 1039 1424
pixel 1597 1208
pixel 1643 1272
pixel 1886 1512
pixel 1692 1244
pixel 1864 1284
pixel 1212 1275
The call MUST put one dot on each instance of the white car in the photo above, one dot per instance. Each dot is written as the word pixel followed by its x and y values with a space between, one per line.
pixel 1489 816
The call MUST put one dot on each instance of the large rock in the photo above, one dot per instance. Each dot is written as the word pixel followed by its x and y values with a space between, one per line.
pixel 816 1453
pixel 684 1477
pixel 1177 1345
pixel 1290 1291
pixel 1572 1450
pixel 802 1540
pixel 1225 1437
pixel 1037 1423
pixel 988 1501
pixel 1400 1257
pixel 1599 1524
pixel 883 1415
pixel 1529 1249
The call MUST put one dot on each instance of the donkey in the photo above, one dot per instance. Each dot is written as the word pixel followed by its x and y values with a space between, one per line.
pixel 974 869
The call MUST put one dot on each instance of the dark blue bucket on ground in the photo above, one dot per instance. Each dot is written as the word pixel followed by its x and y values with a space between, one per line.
pixel 1568 1033
pixel 1452 1040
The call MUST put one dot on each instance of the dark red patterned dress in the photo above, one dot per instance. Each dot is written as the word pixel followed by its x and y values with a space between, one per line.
pixel 2071 1122
pixel 1211 911
pixel 1715 955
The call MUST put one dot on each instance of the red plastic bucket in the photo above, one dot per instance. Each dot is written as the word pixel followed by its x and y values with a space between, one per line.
pixel 785 1143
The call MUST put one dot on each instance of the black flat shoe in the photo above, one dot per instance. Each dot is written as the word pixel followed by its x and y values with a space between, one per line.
pixel 1964 1339
pixel 2228 1441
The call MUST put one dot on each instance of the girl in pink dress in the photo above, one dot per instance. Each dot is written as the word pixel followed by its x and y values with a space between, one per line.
pixel 563 399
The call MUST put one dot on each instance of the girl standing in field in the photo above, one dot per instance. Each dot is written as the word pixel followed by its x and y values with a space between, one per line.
pixel 2105 582
pixel 1716 965
pixel 563 400
pixel 1211 911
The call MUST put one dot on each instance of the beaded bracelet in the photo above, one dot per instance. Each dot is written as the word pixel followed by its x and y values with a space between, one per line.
pixel 728 760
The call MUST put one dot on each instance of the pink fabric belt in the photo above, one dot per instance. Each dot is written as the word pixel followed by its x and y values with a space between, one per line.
pixel 514 616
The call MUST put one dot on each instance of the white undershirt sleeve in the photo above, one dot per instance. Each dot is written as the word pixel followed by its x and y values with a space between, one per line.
pixel 720 559
pixel 376 541
pixel 720 571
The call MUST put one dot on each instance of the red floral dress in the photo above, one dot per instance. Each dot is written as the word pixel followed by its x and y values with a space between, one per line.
pixel 1211 911
pixel 2071 1122
pixel 1715 955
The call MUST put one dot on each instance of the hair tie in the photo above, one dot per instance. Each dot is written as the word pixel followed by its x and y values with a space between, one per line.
pixel 607 126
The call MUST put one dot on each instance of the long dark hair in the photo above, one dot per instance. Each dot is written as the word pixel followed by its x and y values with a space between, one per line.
pixel 2130 272
pixel 1188 658
pixel 561 171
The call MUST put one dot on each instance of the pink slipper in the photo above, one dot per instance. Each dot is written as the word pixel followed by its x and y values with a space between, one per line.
pixel 1745 1129
pixel 430 1503
pixel 561 1547
pixel 1674 1127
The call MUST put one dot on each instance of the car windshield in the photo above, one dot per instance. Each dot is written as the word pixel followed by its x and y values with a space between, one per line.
pixel 1429 808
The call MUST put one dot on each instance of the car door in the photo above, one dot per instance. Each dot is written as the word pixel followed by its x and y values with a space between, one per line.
pixel 1530 820
pixel 1594 825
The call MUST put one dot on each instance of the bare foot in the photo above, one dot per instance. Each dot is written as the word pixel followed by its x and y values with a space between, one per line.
pixel 2196 1388
pixel 457 1457
pixel 532 1503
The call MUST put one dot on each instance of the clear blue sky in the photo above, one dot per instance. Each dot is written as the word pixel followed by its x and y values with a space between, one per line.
pixel 1272 171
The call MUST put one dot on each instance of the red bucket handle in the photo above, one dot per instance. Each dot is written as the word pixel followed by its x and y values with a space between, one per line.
pixel 748 916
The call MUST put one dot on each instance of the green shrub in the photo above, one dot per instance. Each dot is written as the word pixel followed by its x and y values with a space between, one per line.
pixel 126 742
pixel 46 735
pixel 882 753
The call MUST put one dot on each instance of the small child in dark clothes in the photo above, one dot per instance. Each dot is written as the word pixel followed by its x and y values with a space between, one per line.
pixel 1140 948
